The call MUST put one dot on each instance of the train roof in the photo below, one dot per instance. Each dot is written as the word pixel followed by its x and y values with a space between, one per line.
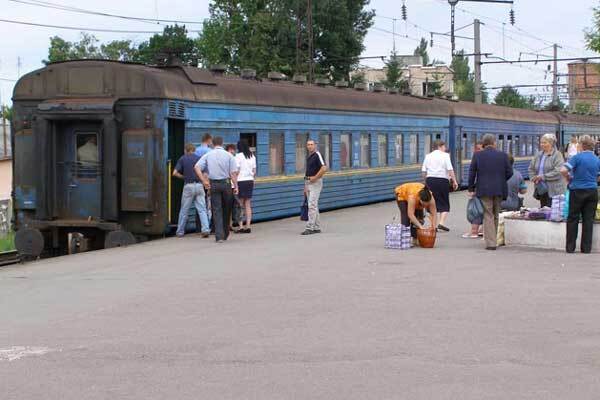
pixel 491 111
pixel 578 119
pixel 102 78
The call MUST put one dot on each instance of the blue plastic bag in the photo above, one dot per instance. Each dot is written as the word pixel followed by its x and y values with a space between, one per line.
pixel 304 210
pixel 475 211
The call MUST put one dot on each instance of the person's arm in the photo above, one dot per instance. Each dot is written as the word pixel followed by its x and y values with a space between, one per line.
pixel 424 168
pixel 198 168
pixel 508 169
pixel 554 173
pixel 233 174
pixel 532 171
pixel 451 174
pixel 412 204
pixel 321 172
pixel 567 167
pixel 433 213
pixel 522 186
pixel 176 170
pixel 473 174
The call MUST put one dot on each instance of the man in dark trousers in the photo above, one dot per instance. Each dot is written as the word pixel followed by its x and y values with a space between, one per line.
pixel 489 171
pixel 221 169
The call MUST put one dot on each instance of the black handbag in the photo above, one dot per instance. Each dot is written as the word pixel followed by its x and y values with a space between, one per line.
pixel 304 210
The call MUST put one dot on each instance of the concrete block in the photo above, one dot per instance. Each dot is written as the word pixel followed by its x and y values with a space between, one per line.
pixel 543 234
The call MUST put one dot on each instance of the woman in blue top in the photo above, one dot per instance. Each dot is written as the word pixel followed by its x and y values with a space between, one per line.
pixel 582 170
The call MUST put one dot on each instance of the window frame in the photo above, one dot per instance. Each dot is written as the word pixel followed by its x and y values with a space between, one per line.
pixel 280 170
pixel 362 162
pixel 349 151
pixel 385 150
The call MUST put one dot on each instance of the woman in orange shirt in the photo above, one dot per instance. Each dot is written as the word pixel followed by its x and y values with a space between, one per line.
pixel 412 199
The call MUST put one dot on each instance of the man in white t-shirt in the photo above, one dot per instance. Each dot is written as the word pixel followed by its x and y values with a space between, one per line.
pixel 439 176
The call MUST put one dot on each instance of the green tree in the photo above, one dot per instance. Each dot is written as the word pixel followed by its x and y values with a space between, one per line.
pixel 393 74
pixel 510 97
pixel 261 34
pixel 358 77
pixel 7 112
pixel 584 108
pixel 173 42
pixel 121 50
pixel 62 50
pixel 464 82
pixel 421 50
pixel 592 35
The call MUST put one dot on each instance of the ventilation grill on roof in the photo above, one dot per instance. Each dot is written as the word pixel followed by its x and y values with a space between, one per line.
pixel 176 110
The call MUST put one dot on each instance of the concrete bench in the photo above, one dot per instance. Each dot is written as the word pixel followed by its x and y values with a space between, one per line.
pixel 543 234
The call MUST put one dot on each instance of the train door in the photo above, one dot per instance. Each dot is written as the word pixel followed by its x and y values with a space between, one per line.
pixel 79 170
pixel 176 149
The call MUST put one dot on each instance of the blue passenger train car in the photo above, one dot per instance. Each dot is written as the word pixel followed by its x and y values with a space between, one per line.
pixel 104 136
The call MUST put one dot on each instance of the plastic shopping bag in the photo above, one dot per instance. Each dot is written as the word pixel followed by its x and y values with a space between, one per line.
pixel 475 211
pixel 565 211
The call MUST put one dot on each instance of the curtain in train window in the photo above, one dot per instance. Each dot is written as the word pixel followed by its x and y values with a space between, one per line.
pixel 276 156
pixel 413 148
pixel 509 144
pixel 428 144
pixel 345 151
pixel 382 155
pixel 500 143
pixel 517 146
pixel 473 145
pixel 365 150
pixel 464 151
pixel 325 148
pixel 399 149
pixel 301 152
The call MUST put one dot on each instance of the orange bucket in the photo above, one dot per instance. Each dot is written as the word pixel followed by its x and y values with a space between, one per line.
pixel 426 237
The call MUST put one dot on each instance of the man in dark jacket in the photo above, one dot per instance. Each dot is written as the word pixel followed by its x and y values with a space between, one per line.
pixel 489 171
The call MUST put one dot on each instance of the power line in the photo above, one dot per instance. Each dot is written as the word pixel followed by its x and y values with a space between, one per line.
pixel 536 61
pixel 83 29
pixel 55 6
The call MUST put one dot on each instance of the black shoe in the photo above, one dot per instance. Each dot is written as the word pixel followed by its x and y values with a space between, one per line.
pixel 316 231
pixel 491 248
pixel 246 230
pixel 444 228
pixel 308 232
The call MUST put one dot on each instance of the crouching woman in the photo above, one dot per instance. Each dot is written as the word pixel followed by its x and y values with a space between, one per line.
pixel 413 199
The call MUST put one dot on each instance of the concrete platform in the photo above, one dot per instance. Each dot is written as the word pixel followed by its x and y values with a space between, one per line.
pixel 543 234
pixel 275 315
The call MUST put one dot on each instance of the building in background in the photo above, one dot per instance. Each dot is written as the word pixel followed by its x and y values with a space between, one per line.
pixel 584 86
pixel 420 78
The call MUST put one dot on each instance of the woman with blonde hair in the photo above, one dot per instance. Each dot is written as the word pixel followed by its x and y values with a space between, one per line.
pixel 544 171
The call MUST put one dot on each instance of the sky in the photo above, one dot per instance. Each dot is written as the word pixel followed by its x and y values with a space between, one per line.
pixel 539 24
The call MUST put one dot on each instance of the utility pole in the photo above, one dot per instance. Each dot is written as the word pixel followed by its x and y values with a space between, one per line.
pixel 478 96
pixel 309 24
pixel 555 77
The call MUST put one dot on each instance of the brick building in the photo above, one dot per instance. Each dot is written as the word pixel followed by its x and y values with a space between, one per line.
pixel 584 85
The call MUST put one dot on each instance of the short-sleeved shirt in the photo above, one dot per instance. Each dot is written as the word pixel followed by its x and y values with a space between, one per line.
pixel 437 164
pixel 585 168
pixel 202 150
pixel 516 183
pixel 218 163
pixel 246 167
pixel 314 162
pixel 185 166
pixel 408 190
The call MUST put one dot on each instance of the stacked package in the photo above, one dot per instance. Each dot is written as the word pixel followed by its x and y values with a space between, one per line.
pixel 397 236
pixel 558 205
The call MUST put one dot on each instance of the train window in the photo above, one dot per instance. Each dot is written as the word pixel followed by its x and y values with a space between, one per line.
pixel 250 138
pixel 473 145
pixel 463 147
pixel 301 152
pixel 427 148
pixel 509 144
pixel 399 149
pixel 517 146
pixel 276 156
pixel 87 155
pixel 382 155
pixel 500 143
pixel 413 149
pixel 325 148
pixel 345 151
pixel 365 150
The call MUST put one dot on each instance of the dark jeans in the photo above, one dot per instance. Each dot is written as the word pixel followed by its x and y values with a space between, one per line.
pixel 582 202
pixel 404 220
pixel 221 197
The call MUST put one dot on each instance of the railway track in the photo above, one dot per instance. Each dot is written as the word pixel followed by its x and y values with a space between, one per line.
pixel 8 258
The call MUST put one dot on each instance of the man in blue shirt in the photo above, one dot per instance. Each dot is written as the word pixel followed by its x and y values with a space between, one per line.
pixel 583 170
pixel 221 168
pixel 205 146
pixel 193 191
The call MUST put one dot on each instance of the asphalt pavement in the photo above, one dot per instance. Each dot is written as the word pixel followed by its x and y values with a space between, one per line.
pixel 276 315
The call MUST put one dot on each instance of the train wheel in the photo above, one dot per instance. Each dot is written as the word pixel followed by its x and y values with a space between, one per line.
pixel 29 242
pixel 118 239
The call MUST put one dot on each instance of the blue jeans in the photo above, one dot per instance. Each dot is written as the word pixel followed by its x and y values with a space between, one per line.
pixel 193 193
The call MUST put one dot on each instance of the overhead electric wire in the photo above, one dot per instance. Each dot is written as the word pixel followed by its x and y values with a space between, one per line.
pixel 84 29
pixel 55 6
